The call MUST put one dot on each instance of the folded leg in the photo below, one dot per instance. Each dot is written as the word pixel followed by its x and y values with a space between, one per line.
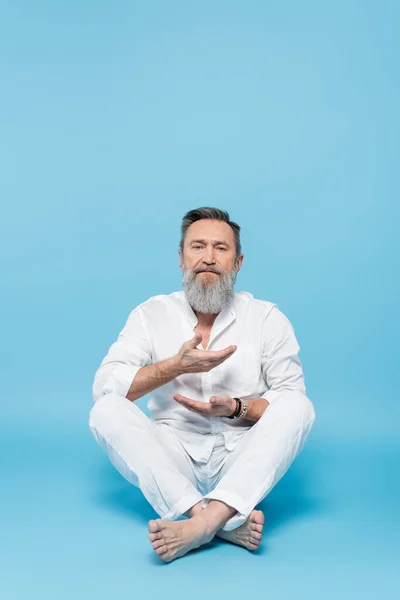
pixel 147 455
pixel 263 455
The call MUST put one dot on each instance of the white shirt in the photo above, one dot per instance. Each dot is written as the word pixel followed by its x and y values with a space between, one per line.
pixel 264 364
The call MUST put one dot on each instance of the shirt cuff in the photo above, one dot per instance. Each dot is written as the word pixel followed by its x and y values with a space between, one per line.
pixel 121 380
pixel 272 395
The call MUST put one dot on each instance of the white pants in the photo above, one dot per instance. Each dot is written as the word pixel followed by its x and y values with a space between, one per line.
pixel 150 456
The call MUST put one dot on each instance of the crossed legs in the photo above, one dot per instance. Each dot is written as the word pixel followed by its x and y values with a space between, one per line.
pixel 251 470
pixel 152 459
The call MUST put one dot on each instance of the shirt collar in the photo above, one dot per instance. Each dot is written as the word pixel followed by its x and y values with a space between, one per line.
pixel 223 319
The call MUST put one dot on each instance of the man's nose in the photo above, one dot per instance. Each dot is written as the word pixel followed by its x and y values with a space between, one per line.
pixel 209 257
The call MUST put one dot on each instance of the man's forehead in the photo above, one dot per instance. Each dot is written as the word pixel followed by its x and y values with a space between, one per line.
pixel 206 240
pixel 211 231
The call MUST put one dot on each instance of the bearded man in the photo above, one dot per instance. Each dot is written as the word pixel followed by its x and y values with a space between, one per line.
pixel 228 404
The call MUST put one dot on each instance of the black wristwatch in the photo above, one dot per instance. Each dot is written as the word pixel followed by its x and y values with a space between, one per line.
pixel 237 410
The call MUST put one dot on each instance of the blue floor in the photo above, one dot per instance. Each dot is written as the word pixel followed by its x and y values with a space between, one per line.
pixel 72 527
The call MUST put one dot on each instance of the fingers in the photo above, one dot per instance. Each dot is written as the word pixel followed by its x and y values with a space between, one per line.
pixel 222 405
pixel 229 349
pixel 221 354
pixel 201 410
pixel 217 400
pixel 217 405
pixel 193 405
pixel 195 341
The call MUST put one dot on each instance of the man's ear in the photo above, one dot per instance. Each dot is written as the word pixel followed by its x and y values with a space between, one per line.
pixel 180 258
pixel 240 261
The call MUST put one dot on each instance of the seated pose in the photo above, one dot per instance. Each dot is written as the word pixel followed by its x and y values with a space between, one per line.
pixel 228 404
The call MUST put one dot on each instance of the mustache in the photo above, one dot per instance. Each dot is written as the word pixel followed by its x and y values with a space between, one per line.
pixel 207 269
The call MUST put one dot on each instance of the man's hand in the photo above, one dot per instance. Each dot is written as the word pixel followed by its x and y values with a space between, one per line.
pixel 218 406
pixel 191 360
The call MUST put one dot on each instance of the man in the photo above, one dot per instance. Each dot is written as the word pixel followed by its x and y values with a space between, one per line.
pixel 228 404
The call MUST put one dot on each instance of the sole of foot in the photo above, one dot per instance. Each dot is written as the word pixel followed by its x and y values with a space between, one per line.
pixel 247 535
pixel 173 539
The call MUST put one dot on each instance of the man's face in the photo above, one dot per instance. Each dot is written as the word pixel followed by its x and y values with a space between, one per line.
pixel 209 245
pixel 209 265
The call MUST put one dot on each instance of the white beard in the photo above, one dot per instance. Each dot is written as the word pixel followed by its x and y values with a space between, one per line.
pixel 209 297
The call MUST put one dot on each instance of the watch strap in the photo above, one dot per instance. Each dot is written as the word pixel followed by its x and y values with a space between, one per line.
pixel 237 410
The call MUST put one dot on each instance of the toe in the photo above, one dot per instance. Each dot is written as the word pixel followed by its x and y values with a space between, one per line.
pixel 161 550
pixel 257 527
pixel 255 535
pixel 259 517
pixel 154 526
pixel 253 546
pixel 155 536
pixel 158 544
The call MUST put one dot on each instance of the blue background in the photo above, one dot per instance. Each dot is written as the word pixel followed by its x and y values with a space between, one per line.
pixel 117 118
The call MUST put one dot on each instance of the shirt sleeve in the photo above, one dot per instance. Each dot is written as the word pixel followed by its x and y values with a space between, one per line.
pixel 126 356
pixel 280 363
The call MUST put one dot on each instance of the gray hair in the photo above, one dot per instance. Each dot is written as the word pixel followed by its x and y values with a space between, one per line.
pixel 208 212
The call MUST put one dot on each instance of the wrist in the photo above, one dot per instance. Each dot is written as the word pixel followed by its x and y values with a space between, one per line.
pixel 257 406
pixel 176 365
pixel 173 366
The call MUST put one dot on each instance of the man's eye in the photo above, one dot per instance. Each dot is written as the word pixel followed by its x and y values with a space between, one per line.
pixel 221 248
pixel 196 247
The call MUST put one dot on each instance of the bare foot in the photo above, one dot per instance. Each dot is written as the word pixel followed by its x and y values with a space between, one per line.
pixel 249 534
pixel 172 539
